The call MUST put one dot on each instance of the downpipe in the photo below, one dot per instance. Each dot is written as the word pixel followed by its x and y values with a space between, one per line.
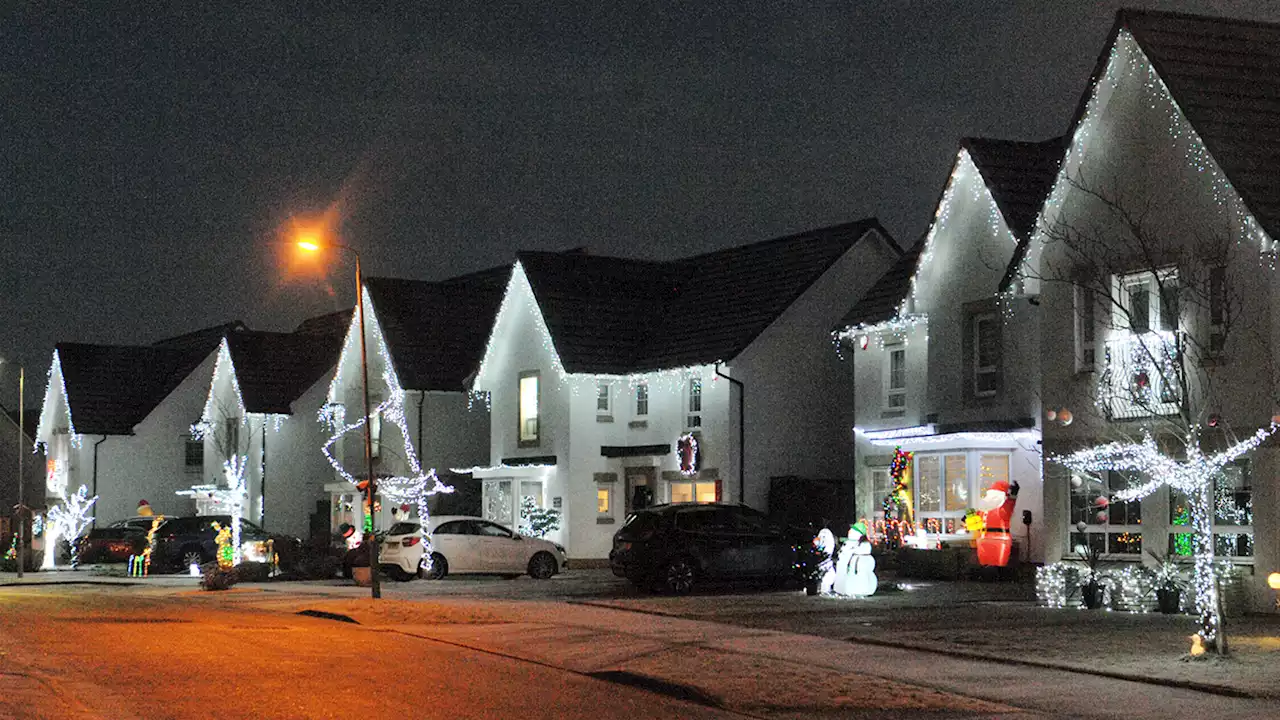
pixel 742 433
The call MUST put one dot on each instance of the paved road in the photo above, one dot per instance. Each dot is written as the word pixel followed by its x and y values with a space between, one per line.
pixel 489 648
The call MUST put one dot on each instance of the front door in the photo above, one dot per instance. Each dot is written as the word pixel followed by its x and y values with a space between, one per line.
pixel 641 487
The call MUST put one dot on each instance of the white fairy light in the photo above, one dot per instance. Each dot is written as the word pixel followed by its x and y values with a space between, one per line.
pixel 68 519
pixel 55 375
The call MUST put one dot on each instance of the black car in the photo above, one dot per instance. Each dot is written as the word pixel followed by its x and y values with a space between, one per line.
pixel 116 542
pixel 673 547
pixel 186 540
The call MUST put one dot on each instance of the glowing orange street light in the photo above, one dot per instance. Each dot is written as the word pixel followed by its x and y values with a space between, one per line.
pixel 310 241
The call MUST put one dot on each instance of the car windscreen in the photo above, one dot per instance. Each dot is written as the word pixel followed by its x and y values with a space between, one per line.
pixel 403 528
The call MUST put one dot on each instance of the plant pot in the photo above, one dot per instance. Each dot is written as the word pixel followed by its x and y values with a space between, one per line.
pixel 1169 600
pixel 362 575
pixel 1091 594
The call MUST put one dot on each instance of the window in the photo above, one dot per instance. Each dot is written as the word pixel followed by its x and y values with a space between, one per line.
pixel 1232 515
pixel 231 435
pixel 1086 348
pixel 942 487
pixel 488 529
pixel 1148 301
pixel 1217 309
pixel 604 390
pixel 642 398
pixel 195 455
pixel 881 486
pixel 375 427
pixel 896 378
pixel 528 411
pixel 694 418
pixel 604 501
pixel 986 355
pixel 496 499
pixel 691 491
pixel 1110 527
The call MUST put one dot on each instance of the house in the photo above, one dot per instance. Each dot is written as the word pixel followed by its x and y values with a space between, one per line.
pixel 945 355
pixel 1154 265
pixel 615 383
pixel 116 419
pixel 423 340
pixel 264 393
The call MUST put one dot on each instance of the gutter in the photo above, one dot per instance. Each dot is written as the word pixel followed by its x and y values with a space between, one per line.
pixel 742 433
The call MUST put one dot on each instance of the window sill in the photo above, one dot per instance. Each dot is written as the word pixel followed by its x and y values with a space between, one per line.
pixel 886 414
pixel 638 424
pixel 605 521
pixel 604 418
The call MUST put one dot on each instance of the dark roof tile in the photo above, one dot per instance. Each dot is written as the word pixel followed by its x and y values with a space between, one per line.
pixel 112 388
pixel 274 369
pixel 882 301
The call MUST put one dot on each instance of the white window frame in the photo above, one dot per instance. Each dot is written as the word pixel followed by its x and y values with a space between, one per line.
pixel 693 420
pixel 985 370
pixel 642 398
pixel 694 486
pixel 895 398
pixel 1086 329
pixel 604 391
pixel 533 439
pixel 1122 286
pixel 973 484
pixel 1245 467
pixel 1093 527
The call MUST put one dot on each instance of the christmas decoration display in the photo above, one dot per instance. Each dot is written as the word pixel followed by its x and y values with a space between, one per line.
pixel 855 567
pixel 687 452
pixel 140 564
pixel 417 485
pixel 68 519
pixel 825 544
pixel 995 543
pixel 144 509
pixel 898 520
pixel 536 521
pixel 226 548
pixel 55 379
pixel 1194 477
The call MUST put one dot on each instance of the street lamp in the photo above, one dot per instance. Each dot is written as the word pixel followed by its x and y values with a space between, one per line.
pixel 311 242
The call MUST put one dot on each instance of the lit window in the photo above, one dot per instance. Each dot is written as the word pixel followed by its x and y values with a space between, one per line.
pixel 896 379
pixel 1110 527
pixel 528 412
pixel 1148 301
pixel 690 491
pixel 694 418
pixel 604 501
pixel 603 396
pixel 642 398
pixel 1232 515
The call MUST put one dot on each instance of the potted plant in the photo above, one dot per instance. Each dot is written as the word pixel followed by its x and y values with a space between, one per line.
pixel 1092 590
pixel 1168 584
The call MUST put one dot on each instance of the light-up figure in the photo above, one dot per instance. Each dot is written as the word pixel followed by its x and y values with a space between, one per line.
pixel 855 567
pixel 996 541
pixel 825 544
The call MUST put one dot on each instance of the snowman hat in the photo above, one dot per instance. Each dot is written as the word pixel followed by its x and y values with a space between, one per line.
pixel 1000 485
pixel 859 527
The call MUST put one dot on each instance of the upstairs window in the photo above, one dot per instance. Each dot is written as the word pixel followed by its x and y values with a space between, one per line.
pixel 604 397
pixel 694 418
pixel 528 410
pixel 1085 332
pixel 986 355
pixel 642 399
pixel 375 426
pixel 1217 309
pixel 896 378
pixel 1148 301
pixel 194 455
pixel 231 436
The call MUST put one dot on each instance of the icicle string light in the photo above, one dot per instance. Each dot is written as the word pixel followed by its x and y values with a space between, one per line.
pixel 55 375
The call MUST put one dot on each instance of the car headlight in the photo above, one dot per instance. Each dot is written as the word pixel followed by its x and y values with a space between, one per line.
pixel 560 548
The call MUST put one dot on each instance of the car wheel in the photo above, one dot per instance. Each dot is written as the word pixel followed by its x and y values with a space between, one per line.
pixel 439 567
pixel 192 555
pixel 542 566
pixel 678 575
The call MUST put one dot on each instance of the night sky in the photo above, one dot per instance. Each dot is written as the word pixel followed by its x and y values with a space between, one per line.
pixel 150 159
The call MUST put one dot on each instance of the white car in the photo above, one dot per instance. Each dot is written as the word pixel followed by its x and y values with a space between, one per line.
pixel 461 544
pixel 400 553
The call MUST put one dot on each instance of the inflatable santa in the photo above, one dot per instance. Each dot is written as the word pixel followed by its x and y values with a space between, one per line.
pixel 996 541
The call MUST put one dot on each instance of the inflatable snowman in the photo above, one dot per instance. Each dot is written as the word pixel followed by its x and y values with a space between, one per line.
pixel 855 568
pixel 826 545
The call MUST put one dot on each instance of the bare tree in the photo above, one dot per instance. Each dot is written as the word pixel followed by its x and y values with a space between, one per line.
pixel 1172 310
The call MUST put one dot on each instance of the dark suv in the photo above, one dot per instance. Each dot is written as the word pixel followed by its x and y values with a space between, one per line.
pixel 186 540
pixel 675 546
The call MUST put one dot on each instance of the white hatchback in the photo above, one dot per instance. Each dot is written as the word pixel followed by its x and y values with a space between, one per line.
pixel 401 551
pixel 461 544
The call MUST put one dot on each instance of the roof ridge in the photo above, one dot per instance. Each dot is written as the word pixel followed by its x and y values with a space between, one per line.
pixel 1126 12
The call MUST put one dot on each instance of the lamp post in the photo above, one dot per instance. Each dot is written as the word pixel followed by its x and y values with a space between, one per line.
pixel 312 244
pixel 22 439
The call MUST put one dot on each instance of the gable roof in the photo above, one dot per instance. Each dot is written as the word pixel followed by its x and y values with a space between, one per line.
pixel 274 369
pixel 436 332
pixel 881 302
pixel 1225 76
pixel 334 323
pixel 616 316
pixel 112 388
pixel 1018 175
